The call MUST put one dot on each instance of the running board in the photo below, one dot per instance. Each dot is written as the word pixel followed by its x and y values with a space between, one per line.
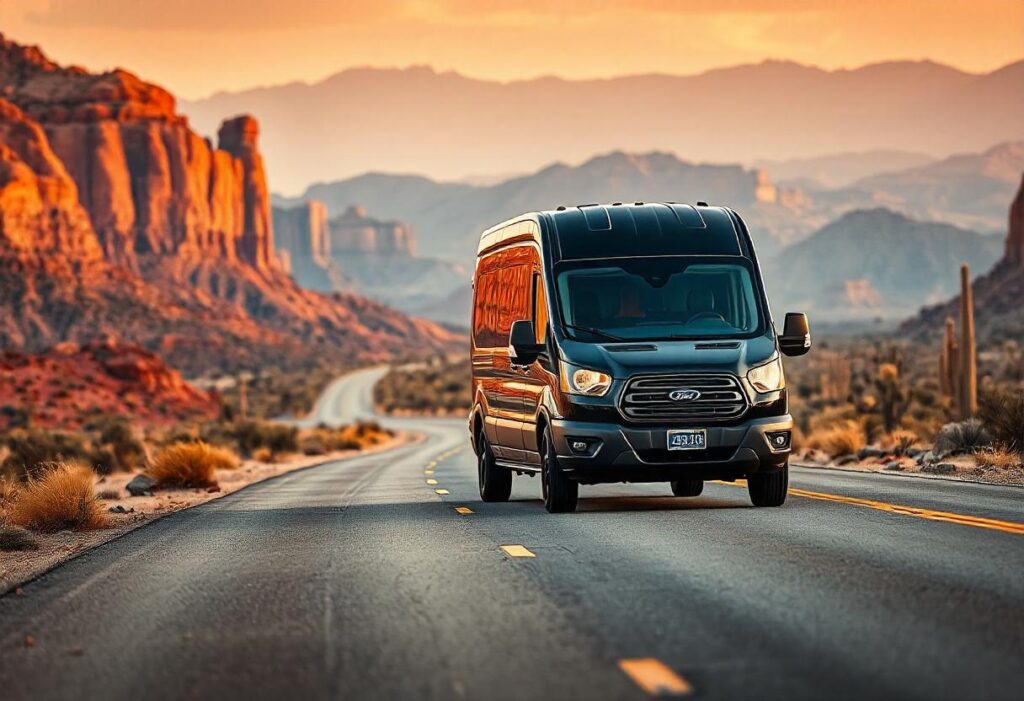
pixel 530 469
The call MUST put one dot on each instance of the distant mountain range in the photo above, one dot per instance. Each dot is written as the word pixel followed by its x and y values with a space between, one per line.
pixel 836 170
pixel 875 263
pixel 448 126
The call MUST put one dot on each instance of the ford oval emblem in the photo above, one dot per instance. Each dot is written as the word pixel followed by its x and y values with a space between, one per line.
pixel 684 395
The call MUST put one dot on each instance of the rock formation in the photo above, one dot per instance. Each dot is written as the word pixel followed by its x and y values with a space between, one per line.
pixel 997 294
pixel 303 239
pixel 1015 237
pixel 356 232
pixel 117 219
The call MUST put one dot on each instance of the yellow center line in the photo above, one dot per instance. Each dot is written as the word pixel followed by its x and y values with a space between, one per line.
pixel 930 514
pixel 431 481
pixel 991 524
pixel 441 491
pixel 464 510
pixel 517 551
pixel 654 677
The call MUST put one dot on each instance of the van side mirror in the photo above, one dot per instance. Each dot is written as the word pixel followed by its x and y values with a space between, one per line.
pixel 523 348
pixel 796 334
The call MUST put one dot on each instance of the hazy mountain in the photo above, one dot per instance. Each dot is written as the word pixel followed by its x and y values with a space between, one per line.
pixel 448 218
pixel 875 262
pixel 969 189
pixel 836 170
pixel 446 125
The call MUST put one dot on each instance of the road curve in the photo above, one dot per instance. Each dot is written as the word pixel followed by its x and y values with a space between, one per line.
pixel 357 580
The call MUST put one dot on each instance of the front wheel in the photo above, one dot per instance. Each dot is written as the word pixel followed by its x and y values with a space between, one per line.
pixel 769 488
pixel 688 487
pixel 495 481
pixel 560 492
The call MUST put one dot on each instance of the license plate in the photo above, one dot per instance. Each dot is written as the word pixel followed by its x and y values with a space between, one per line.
pixel 688 439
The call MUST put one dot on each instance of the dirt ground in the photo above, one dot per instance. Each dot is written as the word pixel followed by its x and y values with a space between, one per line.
pixel 56 548
pixel 964 467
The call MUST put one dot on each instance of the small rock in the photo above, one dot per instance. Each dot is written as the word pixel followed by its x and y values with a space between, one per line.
pixel 941 468
pixel 213 490
pixel 869 452
pixel 846 460
pixel 914 452
pixel 30 641
pixel 894 466
pixel 140 486
pixel 121 510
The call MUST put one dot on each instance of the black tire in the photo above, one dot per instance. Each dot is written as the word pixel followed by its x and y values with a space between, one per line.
pixel 769 488
pixel 689 487
pixel 560 493
pixel 495 481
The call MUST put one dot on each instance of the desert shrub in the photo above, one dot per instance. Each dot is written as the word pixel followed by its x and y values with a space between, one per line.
pixel 962 437
pixel 60 498
pixel 17 538
pixel 187 465
pixel 1002 413
pixel 251 435
pixel 844 438
pixel 128 452
pixel 899 442
pixel 312 445
pixel 264 455
pixel 32 452
pixel 1001 459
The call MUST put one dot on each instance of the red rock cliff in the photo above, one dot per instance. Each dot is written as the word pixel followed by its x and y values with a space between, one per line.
pixel 149 183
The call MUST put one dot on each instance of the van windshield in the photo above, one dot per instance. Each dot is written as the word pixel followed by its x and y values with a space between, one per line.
pixel 659 298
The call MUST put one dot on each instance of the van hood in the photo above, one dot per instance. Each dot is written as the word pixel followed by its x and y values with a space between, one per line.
pixel 623 359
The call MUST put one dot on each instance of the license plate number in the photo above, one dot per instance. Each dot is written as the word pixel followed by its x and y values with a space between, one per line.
pixel 689 439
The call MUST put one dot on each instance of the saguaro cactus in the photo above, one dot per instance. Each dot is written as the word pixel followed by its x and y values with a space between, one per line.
pixel 949 364
pixel 968 350
pixel 892 395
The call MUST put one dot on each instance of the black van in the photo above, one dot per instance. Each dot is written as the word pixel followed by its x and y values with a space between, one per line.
pixel 628 343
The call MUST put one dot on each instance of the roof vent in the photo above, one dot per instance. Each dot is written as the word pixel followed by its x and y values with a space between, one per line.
pixel 561 208
pixel 638 203
pixel 701 204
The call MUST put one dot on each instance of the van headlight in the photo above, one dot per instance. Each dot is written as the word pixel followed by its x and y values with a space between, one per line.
pixel 768 377
pixel 576 380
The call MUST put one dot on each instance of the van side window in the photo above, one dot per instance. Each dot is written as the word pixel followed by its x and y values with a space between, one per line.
pixel 540 309
pixel 502 296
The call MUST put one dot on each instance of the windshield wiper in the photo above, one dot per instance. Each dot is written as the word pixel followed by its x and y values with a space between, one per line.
pixel 595 332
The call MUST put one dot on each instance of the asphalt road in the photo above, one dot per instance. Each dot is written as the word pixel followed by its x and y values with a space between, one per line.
pixel 357 580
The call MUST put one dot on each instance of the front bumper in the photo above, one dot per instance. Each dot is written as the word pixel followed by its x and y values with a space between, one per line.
pixel 617 453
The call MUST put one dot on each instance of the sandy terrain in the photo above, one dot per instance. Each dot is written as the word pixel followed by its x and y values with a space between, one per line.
pixel 965 468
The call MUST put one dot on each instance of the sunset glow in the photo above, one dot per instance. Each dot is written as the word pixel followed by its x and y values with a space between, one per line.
pixel 196 47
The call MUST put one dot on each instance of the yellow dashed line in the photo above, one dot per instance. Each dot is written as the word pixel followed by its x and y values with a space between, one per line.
pixel 428 472
pixel 991 524
pixel 442 491
pixel 464 510
pixel 654 677
pixel 431 481
pixel 517 551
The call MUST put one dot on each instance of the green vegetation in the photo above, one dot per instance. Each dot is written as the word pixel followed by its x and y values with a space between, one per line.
pixel 441 386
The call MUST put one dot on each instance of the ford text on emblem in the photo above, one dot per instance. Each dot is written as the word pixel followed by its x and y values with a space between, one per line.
pixel 683 395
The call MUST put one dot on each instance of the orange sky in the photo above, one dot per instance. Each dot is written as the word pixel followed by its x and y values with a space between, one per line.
pixel 195 47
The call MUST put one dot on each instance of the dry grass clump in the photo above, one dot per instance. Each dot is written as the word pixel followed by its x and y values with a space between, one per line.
pixel 843 438
pixel 31 453
pixel 61 498
pixel 190 465
pixel 961 437
pixel 1002 413
pixel 264 455
pixel 357 436
pixel 899 442
pixel 999 459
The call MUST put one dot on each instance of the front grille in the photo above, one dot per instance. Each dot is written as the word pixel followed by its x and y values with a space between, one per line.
pixel 647 398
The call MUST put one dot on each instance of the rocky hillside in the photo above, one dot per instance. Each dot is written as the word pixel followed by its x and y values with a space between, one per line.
pixel 969 189
pixel 872 263
pixel 117 219
pixel 71 385
pixel 998 293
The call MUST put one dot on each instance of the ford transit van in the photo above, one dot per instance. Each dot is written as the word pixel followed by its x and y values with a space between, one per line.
pixel 628 343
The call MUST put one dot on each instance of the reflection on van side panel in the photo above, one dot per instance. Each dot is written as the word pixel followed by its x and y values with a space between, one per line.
pixel 628 343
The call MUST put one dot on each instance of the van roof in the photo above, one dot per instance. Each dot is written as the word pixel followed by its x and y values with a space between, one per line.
pixel 630 229
pixel 640 228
